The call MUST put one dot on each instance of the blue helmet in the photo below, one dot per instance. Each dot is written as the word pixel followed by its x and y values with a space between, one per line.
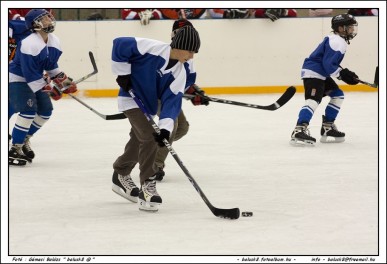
pixel 33 20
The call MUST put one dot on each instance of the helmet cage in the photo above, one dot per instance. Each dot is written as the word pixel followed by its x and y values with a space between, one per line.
pixel 38 25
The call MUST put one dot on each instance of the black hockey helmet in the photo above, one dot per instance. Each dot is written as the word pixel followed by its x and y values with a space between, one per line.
pixel 345 20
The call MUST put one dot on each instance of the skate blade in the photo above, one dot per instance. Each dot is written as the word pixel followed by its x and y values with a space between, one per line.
pixel 301 143
pixel 17 162
pixel 328 139
pixel 121 193
pixel 147 206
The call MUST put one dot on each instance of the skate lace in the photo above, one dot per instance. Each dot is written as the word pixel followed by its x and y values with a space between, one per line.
pixel 18 150
pixel 150 187
pixel 334 127
pixel 304 129
pixel 128 182
pixel 27 144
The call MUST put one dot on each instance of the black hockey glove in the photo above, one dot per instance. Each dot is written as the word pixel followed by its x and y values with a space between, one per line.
pixel 200 97
pixel 125 82
pixel 273 14
pixel 164 134
pixel 348 77
pixel 236 13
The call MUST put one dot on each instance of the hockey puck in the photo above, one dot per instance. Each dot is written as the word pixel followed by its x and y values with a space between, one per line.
pixel 247 214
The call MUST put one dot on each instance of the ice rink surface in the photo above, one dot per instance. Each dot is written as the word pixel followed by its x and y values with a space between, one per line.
pixel 320 200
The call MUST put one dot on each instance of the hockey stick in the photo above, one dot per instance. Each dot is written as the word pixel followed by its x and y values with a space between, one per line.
pixel 224 213
pixel 374 85
pixel 95 70
pixel 285 97
pixel 376 79
pixel 106 117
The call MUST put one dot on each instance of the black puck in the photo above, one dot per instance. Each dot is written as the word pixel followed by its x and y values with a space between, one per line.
pixel 247 214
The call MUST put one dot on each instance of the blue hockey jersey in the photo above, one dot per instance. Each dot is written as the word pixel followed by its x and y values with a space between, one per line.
pixel 325 59
pixel 147 60
pixel 33 57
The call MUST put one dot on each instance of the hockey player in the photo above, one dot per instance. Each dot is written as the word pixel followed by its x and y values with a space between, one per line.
pixel 29 91
pixel 154 71
pixel 317 72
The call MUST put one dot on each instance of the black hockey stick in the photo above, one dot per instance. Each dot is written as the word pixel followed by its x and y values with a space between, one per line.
pixel 374 85
pixel 106 117
pixel 95 71
pixel 376 79
pixel 224 213
pixel 285 97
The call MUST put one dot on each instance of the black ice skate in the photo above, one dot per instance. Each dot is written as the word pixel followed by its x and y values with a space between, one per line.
pixel 16 156
pixel 149 199
pixel 301 136
pixel 160 174
pixel 27 150
pixel 330 134
pixel 123 185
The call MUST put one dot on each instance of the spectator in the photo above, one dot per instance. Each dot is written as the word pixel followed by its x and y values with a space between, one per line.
pixel 363 12
pixel 275 14
pixel 144 15
pixel 175 13
pixel 229 13
pixel 320 12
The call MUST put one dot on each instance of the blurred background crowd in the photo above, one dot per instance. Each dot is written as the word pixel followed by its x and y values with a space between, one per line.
pixel 145 15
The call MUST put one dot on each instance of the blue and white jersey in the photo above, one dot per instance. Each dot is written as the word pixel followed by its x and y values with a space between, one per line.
pixel 146 60
pixel 33 57
pixel 325 59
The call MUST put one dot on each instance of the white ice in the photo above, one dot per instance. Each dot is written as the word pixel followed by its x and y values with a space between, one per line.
pixel 320 200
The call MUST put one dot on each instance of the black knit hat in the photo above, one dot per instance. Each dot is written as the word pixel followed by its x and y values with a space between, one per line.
pixel 187 38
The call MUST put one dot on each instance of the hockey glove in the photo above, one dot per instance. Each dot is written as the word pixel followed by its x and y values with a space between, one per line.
pixel 61 81
pixel 200 97
pixel 164 134
pixel 236 13
pixel 125 82
pixel 348 77
pixel 53 91
pixel 273 14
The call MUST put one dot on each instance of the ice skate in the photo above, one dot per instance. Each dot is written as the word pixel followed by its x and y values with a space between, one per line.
pixel 301 136
pixel 330 133
pixel 16 156
pixel 27 150
pixel 124 186
pixel 148 198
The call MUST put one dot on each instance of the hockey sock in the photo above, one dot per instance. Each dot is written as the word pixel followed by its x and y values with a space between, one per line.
pixel 22 125
pixel 39 120
pixel 333 108
pixel 307 111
